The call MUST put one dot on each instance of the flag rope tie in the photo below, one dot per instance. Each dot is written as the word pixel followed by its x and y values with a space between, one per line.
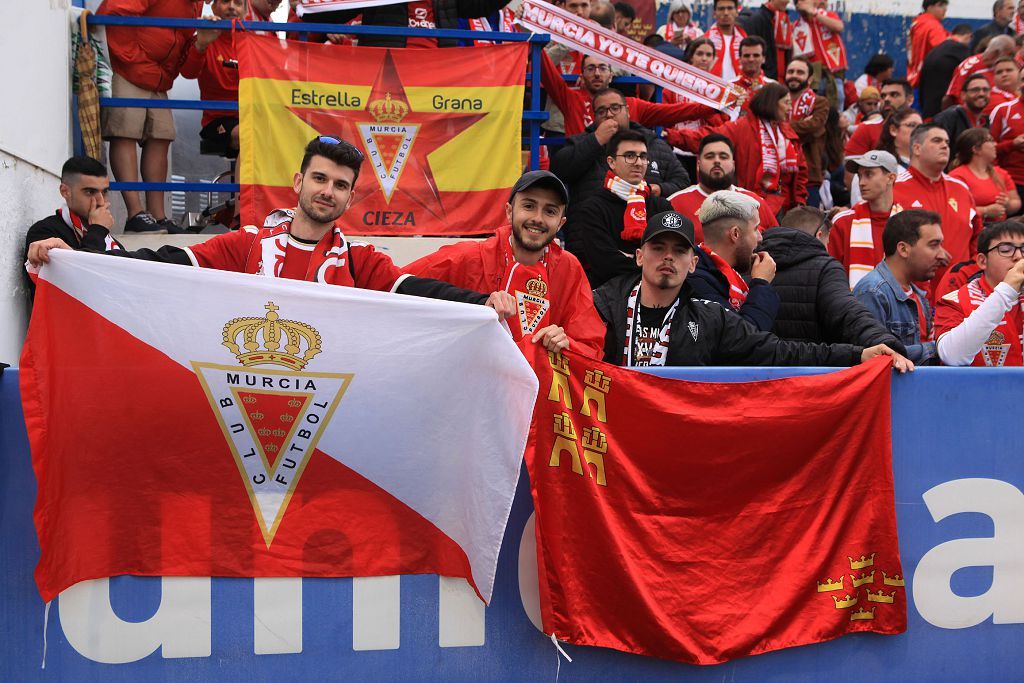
pixel 46 621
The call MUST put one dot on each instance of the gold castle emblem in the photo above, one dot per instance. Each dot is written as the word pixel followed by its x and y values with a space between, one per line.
pixel 388 110
pixel 271 341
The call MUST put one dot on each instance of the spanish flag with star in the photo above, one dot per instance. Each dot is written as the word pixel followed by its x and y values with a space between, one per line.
pixel 440 130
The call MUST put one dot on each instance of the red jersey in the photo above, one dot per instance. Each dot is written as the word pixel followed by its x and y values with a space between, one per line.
pixel 864 139
pixel 856 239
pixel 925 33
pixel 958 275
pixel 970 66
pixel 949 198
pixel 217 70
pixel 688 202
pixel 1003 346
pixel 984 190
pixel 557 289
pixel 421 15
pixel 270 251
pixel 578 108
pixel 1006 123
pixel 998 97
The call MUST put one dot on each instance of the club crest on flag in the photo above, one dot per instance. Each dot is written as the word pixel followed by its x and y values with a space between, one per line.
pixel 532 304
pixel 272 419
pixel 387 142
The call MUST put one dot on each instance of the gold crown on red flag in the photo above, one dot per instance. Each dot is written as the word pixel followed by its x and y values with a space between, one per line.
pixel 863 614
pixel 830 585
pixel 845 602
pixel 388 109
pixel 864 561
pixel 894 580
pixel 271 341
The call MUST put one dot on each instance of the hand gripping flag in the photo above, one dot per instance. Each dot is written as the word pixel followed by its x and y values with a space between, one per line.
pixel 277 428
pixel 706 521
pixel 440 130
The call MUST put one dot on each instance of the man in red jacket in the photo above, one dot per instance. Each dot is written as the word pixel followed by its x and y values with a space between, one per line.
pixel 1007 126
pixel 925 33
pixel 554 304
pixel 145 60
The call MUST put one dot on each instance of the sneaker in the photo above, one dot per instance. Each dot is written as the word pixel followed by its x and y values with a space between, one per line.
pixel 171 227
pixel 144 223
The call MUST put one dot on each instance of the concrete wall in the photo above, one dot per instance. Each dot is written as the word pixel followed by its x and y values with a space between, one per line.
pixel 35 139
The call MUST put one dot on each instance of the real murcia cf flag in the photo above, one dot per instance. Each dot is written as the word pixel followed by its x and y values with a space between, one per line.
pixel 704 521
pixel 190 422
pixel 440 130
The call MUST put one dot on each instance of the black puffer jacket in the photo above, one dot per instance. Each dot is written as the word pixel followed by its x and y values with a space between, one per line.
pixel 446 15
pixel 814 290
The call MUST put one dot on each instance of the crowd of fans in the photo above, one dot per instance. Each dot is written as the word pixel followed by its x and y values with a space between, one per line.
pixel 837 217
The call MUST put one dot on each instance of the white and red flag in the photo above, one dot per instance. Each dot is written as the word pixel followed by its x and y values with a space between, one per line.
pixel 190 422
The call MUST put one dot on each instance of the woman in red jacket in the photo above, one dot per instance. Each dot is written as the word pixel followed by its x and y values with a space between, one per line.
pixel 769 158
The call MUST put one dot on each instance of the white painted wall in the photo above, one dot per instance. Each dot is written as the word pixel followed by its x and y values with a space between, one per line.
pixel 35 140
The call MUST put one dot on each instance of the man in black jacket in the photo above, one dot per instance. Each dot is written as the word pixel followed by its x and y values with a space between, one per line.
pixel 653 319
pixel 760 20
pixel 974 97
pixel 84 221
pixel 431 14
pixel 731 223
pixel 604 230
pixel 938 67
pixel 581 163
pixel 1002 16
pixel 816 302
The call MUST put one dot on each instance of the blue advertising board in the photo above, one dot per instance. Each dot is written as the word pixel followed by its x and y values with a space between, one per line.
pixel 958 472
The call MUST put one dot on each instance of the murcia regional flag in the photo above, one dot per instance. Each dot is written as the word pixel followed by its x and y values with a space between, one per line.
pixel 440 130
pixel 191 422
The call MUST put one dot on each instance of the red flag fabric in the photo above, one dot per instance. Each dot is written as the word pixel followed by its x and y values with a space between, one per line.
pixel 707 521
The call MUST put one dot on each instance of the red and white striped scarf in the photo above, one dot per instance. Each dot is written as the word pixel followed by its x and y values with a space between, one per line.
pixel 802 106
pixel 776 156
pixel 828 46
pixel 862 242
pixel 75 222
pixel 660 350
pixel 634 219
pixel 328 262
pixel 738 288
pixel 717 39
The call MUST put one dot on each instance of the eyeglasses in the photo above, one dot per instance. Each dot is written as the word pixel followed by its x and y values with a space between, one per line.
pixel 1007 249
pixel 600 68
pixel 975 91
pixel 328 140
pixel 634 157
pixel 612 109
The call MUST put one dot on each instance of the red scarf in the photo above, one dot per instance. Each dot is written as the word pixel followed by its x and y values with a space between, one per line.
pixel 634 220
pixel 783 35
pixel 1003 346
pixel 802 106
pixel 777 155
pixel 738 288
pixel 530 286
pixel 828 47
pixel 328 262
pixel 1018 24
pixel 862 242
pixel 75 222
pixel 717 39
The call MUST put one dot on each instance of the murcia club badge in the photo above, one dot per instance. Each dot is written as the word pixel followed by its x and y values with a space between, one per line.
pixel 272 418
pixel 532 305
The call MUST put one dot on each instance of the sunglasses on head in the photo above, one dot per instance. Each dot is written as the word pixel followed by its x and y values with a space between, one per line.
pixel 329 140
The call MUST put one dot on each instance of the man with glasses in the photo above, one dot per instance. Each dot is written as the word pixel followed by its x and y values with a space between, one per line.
pixel 581 163
pixel 982 323
pixel 604 230
pixel 306 243
pixel 998 47
pixel 970 113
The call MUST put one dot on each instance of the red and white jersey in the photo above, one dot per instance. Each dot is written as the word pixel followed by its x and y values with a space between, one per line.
pixel 688 202
pixel 1006 123
pixel 970 66
pixel 999 96
pixel 864 139
pixel 1003 346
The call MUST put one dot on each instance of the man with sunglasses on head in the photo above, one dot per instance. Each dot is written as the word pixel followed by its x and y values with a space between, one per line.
pixel 982 323
pixel 306 243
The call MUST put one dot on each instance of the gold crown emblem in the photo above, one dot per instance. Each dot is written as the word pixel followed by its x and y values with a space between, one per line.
pixel 894 580
pixel 536 287
pixel 257 416
pixel 388 109
pixel 287 418
pixel 271 341
pixel 830 585
pixel 881 597
pixel 863 562
pixel 863 614
pixel 294 403
pixel 864 578
pixel 845 602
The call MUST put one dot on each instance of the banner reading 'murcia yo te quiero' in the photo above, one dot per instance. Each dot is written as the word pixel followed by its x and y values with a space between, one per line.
pixel 589 38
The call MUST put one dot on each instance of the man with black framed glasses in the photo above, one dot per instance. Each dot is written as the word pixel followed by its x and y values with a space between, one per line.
pixel 305 242
pixel 982 323
pixel 607 226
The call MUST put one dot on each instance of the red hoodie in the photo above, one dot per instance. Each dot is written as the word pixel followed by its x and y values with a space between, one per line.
pixel 149 57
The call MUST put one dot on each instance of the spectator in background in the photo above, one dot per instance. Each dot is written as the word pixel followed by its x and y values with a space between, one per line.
pixel 1006 80
pixel 604 228
pixel 974 98
pixel 925 186
pixel 896 134
pixel 751 77
pixel 807 116
pixel 937 70
pixel 926 33
pixel 84 220
pixel 602 13
pixel 1018 19
pixel 991 186
pixel 769 158
pixel 700 53
pixel 1007 127
pixel 982 323
pixel 771 22
pixel 817 35
pixel 730 222
pixel 878 69
pixel 725 34
pixel 816 304
pixel 856 236
pixel 913 253
pixel 213 61
pixel 680 29
pixel 716 170
pixel 581 164
pixel 896 94
pixel 867 108
pixel 625 15
pixel 145 61
pixel 998 47
pixel 1002 16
